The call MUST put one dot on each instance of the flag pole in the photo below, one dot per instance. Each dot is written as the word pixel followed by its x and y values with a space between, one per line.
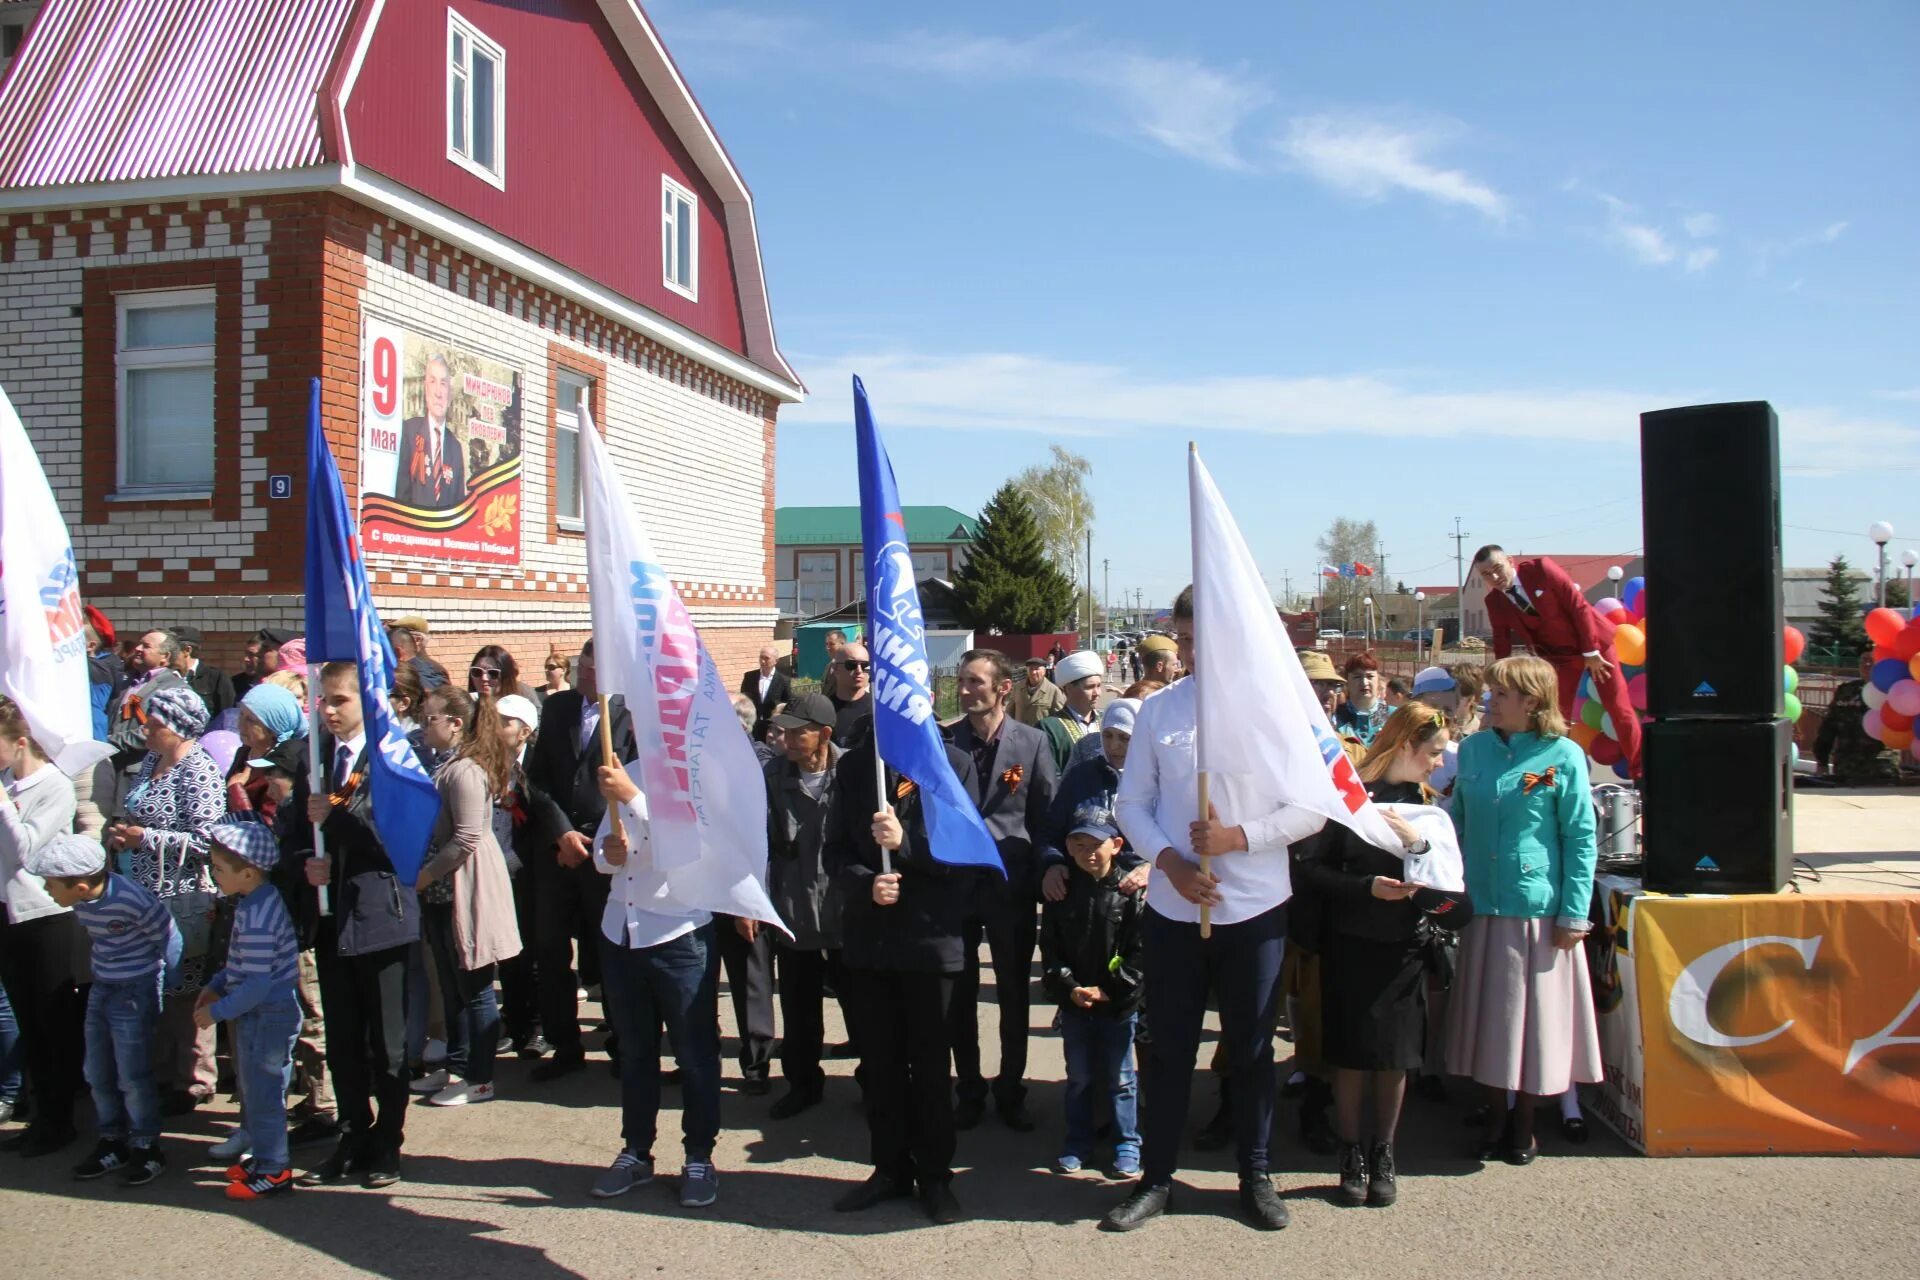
pixel 1206 861
pixel 879 765
pixel 316 774
pixel 606 735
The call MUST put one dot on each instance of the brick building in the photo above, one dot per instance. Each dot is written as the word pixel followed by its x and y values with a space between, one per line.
pixel 206 203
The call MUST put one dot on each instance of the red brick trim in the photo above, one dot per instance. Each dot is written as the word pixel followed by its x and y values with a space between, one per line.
pixel 558 358
pixel 99 397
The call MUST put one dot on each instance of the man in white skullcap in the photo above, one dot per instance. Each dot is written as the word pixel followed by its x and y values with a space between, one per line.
pixel 1079 676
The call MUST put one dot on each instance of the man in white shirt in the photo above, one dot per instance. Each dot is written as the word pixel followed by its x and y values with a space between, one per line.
pixel 1247 835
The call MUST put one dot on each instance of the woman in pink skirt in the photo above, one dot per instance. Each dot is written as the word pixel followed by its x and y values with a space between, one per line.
pixel 1522 1015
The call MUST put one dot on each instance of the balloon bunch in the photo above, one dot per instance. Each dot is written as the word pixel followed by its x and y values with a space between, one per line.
pixel 1892 694
pixel 1594 729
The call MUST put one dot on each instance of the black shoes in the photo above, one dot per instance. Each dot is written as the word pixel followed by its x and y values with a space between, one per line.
pixel 1521 1156
pixel 383 1172
pixel 941 1208
pixel 534 1046
pixel 144 1164
pixel 875 1190
pixel 334 1170
pixel 1263 1205
pixel 967 1112
pixel 108 1155
pixel 1142 1206
pixel 1382 1187
pixel 756 1086
pixel 796 1100
pixel 563 1063
pixel 1016 1115
pixel 1353 1174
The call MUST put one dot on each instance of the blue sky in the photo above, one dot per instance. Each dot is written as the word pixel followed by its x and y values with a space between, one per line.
pixel 1399 262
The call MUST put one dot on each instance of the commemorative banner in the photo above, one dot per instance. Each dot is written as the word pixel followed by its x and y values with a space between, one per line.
pixel 440 449
pixel 1783 1024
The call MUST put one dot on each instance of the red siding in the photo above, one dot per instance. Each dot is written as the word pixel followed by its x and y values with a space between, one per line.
pixel 585 148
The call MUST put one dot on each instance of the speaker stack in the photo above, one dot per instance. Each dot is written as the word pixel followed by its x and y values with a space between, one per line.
pixel 1717 786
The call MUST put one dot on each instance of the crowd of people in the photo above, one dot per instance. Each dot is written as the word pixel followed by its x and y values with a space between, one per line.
pixel 189 860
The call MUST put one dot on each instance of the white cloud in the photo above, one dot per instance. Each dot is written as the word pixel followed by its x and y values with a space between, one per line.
pixel 1701 225
pixel 1177 102
pixel 1641 241
pixel 1768 252
pixel 1371 160
pixel 1061 399
pixel 1700 259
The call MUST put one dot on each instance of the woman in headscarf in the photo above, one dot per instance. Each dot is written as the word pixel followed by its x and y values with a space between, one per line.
pixel 162 843
pixel 270 716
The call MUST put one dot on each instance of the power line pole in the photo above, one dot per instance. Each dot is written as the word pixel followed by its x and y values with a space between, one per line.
pixel 1286 590
pixel 1459 580
pixel 1106 591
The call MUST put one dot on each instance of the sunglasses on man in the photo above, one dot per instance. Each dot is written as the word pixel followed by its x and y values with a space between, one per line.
pixel 854 664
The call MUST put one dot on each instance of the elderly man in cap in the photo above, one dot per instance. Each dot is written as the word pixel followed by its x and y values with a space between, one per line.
pixel 214 686
pixel 1034 696
pixel 1080 677
pixel 1159 659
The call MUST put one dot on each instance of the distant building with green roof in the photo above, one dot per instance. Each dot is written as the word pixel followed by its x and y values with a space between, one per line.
pixel 817 565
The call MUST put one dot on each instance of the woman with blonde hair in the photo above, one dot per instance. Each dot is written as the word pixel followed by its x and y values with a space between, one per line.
pixel 1375 943
pixel 1522 1008
pixel 466 897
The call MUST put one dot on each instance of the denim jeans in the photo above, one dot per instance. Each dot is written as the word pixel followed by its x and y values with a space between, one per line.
pixel 11 1051
pixel 120 1022
pixel 263 1059
pixel 1099 1053
pixel 675 985
pixel 467 997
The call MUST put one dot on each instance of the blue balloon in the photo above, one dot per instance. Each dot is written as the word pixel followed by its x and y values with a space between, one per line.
pixel 1622 768
pixel 1586 686
pixel 1888 672
pixel 1630 591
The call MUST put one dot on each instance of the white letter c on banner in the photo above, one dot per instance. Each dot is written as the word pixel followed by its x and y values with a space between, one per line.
pixel 1687 1007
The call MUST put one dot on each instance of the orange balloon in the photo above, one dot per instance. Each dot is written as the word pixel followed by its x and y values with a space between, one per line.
pixel 1630 644
pixel 1898 739
pixel 1914 666
pixel 1584 734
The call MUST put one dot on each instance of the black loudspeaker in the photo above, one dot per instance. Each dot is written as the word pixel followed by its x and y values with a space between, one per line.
pixel 1710 490
pixel 1717 805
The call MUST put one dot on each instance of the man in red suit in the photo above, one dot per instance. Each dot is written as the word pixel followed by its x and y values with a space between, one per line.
pixel 1536 600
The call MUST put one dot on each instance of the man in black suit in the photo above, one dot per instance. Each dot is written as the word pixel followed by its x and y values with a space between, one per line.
pixel 214 686
pixel 768 688
pixel 1014 780
pixel 433 466
pixel 570 895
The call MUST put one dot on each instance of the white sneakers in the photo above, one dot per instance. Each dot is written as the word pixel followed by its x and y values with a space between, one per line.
pixel 432 1082
pixel 459 1093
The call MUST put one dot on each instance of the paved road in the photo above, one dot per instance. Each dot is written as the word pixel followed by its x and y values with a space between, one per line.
pixel 499 1190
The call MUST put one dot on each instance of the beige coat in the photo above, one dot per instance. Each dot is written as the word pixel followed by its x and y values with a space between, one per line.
pixel 484 928
pixel 1031 706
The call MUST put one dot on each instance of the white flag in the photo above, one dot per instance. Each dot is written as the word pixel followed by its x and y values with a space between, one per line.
pixel 1258 717
pixel 706 797
pixel 43 640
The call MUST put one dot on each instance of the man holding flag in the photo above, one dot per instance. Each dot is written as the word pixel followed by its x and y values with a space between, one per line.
pixel 903 826
pixel 373 809
pixel 1225 772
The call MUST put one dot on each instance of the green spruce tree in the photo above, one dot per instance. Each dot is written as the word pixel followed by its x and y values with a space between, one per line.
pixel 1009 583
pixel 1839 628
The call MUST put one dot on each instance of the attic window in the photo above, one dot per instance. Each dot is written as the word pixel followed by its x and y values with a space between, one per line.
pixel 679 238
pixel 476 101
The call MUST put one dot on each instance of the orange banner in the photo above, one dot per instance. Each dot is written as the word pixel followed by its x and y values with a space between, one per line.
pixel 1780 1024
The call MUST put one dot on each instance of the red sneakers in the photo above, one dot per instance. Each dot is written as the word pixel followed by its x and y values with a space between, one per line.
pixel 261 1186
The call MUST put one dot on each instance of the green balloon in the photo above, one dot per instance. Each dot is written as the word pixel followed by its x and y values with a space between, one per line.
pixel 1793 708
pixel 1793 680
pixel 1592 713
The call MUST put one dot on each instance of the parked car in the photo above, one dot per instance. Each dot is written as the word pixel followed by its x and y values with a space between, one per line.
pixel 1420 636
pixel 1327 635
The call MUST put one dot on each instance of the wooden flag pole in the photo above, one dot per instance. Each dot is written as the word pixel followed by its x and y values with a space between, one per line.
pixel 880 789
pixel 606 735
pixel 1206 862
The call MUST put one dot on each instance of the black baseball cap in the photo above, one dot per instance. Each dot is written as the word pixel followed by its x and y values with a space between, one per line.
pixel 807 710
pixel 268 635
pixel 289 757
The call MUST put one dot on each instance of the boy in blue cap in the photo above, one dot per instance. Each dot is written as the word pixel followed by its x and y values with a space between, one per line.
pixel 257 993
pixel 135 942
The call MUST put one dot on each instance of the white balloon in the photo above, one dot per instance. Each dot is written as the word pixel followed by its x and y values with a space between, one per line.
pixel 1873 696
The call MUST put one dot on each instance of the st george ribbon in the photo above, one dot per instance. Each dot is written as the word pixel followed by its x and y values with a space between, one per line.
pixel 906 734
pixel 344 626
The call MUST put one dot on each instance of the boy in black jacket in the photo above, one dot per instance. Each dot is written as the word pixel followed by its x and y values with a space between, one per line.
pixel 901 950
pixel 1090 963
pixel 361 950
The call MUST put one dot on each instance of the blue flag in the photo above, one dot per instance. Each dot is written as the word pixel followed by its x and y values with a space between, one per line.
pixel 905 732
pixel 343 626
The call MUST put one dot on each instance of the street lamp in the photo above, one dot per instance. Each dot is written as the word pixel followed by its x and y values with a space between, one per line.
pixel 1615 573
pixel 1420 622
pixel 1910 558
pixel 1882 533
pixel 1369 604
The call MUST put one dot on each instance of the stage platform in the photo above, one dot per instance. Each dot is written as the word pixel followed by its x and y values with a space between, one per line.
pixel 1857 842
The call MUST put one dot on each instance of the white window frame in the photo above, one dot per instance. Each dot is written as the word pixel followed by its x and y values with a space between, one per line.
pixel 669 224
pixel 562 521
pixel 477 39
pixel 200 355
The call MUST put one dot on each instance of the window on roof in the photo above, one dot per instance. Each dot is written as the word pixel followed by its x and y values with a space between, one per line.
pixel 680 238
pixel 476 101
pixel 164 362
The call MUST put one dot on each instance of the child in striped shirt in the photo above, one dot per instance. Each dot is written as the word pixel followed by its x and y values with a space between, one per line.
pixel 135 942
pixel 257 992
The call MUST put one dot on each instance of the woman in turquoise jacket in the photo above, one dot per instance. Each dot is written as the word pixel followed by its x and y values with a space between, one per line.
pixel 1522 1017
